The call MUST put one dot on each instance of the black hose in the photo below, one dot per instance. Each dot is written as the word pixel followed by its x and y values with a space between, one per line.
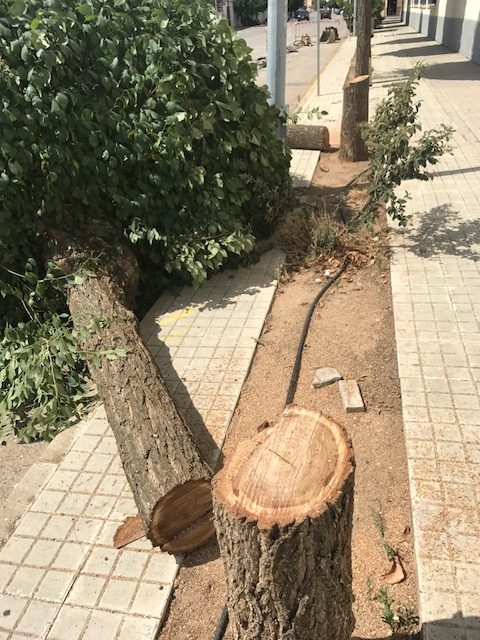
pixel 222 625
pixel 292 387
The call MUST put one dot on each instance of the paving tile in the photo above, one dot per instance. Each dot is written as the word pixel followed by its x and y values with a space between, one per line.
pixel 69 623
pixel 86 591
pixel 38 618
pixel 6 572
pixel 11 609
pixel 24 581
pixel 118 594
pixel 131 564
pixel 55 585
pixel 162 567
pixel 57 527
pixel 138 628
pixel 16 549
pixel 151 599
pixel 102 625
pixel 100 561
pixel 71 556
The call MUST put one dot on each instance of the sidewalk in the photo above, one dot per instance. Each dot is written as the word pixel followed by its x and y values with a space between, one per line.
pixel 436 292
pixel 60 576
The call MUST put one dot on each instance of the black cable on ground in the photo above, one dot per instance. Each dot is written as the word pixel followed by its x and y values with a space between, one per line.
pixel 222 625
pixel 292 387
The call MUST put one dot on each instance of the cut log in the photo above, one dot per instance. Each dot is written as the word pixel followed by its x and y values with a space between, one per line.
pixel 308 136
pixel 156 447
pixel 355 112
pixel 283 508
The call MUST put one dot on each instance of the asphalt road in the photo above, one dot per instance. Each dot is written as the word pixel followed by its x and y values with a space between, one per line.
pixel 301 66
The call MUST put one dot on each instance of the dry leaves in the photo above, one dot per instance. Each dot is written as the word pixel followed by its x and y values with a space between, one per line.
pixel 396 572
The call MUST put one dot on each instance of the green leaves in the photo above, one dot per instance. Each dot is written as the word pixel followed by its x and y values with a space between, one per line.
pixel 397 150
pixel 138 122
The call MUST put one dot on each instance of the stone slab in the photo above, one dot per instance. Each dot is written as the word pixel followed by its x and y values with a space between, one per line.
pixel 326 376
pixel 351 396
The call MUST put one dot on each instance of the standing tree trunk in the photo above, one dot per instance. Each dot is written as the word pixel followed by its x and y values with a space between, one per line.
pixel 355 111
pixel 364 38
pixel 283 509
pixel 159 455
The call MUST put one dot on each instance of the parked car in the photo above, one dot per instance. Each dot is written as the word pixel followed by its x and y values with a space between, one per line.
pixel 325 12
pixel 301 14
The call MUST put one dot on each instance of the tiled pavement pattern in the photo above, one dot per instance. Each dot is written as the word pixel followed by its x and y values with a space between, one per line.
pixel 436 294
pixel 60 577
pixel 209 335
pixel 302 166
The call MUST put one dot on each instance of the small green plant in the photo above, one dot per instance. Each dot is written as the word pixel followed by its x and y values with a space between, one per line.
pixel 379 524
pixel 399 150
pixel 403 620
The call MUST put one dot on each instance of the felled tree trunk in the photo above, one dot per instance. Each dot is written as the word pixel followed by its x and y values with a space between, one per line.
pixel 355 111
pixel 308 136
pixel 283 509
pixel 158 453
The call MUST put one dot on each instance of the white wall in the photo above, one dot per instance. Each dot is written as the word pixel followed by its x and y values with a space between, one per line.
pixel 454 23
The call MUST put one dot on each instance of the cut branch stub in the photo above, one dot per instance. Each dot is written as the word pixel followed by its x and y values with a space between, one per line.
pixel 183 519
pixel 283 509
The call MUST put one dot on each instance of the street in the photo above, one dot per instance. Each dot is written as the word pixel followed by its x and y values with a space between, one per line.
pixel 302 65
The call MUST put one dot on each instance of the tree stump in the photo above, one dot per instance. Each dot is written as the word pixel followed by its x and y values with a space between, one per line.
pixel 308 136
pixel 355 111
pixel 283 508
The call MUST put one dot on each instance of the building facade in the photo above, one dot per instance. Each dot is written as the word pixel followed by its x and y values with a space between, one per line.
pixel 454 23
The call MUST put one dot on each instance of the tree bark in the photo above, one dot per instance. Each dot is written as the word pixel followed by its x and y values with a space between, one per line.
pixel 355 111
pixel 364 38
pixel 156 448
pixel 308 136
pixel 283 509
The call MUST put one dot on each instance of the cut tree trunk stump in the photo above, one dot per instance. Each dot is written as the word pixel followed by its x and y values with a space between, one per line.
pixel 283 508
pixel 156 447
pixel 308 136
pixel 355 112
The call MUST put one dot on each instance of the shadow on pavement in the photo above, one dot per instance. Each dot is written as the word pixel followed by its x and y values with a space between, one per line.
pixel 461 70
pixel 459 627
pixel 441 231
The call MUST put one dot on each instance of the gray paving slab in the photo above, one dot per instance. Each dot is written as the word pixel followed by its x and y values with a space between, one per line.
pixel 435 278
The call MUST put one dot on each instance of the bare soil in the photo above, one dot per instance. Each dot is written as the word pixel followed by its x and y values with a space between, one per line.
pixel 352 330
pixel 15 461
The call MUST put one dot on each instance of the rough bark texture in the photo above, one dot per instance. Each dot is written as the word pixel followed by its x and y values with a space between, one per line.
pixel 364 38
pixel 156 447
pixel 283 510
pixel 355 111
pixel 300 136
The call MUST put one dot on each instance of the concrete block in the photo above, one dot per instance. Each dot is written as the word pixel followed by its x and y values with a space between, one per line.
pixel 351 396
pixel 325 376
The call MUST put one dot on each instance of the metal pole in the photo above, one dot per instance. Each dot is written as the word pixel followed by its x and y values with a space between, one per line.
pixel 277 52
pixel 355 8
pixel 318 47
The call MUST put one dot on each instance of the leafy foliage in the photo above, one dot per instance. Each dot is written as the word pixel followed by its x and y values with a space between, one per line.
pixel 145 115
pixel 131 122
pixel 43 379
pixel 399 150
